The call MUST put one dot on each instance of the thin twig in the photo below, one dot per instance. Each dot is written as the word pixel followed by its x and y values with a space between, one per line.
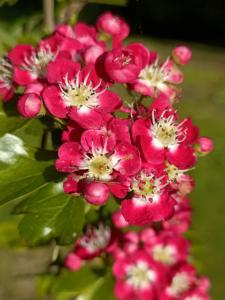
pixel 48 9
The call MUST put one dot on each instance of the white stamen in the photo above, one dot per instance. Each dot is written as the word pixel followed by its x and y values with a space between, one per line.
pixel 166 131
pixel 96 238
pixel 6 73
pixel 80 94
pixel 37 62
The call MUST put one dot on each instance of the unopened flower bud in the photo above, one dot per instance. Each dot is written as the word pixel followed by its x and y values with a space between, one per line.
pixel 96 193
pixel 205 145
pixel 182 55
pixel 29 105
pixel 73 262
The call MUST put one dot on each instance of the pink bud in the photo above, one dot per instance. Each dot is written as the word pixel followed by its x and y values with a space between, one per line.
pixel 29 105
pixel 182 55
pixel 96 193
pixel 73 262
pixel 70 185
pixel 118 220
pixel 205 145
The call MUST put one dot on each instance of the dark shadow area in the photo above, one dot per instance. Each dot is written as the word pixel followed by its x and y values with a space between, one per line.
pixel 191 20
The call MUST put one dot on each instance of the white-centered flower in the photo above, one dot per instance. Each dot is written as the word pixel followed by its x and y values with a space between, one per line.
pixel 165 254
pixel 80 94
pixel 99 163
pixel 96 238
pixel 166 132
pixel 140 276
pixel 147 187
pixel 180 284
pixel 154 76
pixel 38 60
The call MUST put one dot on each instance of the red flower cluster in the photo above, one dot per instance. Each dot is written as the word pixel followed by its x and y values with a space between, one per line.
pixel 141 160
pixel 151 264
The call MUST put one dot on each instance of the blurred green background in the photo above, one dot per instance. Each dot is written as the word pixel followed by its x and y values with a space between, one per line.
pixel 203 99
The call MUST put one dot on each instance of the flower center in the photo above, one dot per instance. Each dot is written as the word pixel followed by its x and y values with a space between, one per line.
pixel 146 186
pixel 6 72
pixel 96 238
pixel 152 76
pixel 180 284
pixel 38 61
pixel 80 94
pixel 173 172
pixel 164 254
pixel 124 59
pixel 99 167
pixel 140 276
pixel 166 131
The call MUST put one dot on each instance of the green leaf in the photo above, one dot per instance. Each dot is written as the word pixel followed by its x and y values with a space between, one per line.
pixel 21 175
pixel 105 290
pixel 30 130
pixel 50 213
pixel 75 282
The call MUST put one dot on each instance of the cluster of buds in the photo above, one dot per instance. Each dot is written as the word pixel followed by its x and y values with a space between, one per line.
pixel 142 160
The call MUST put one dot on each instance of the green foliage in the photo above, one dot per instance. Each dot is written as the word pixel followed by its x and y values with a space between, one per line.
pixel 50 213
pixel 27 174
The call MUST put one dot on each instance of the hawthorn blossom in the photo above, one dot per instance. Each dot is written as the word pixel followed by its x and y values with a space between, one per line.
pixel 82 99
pixel 154 78
pixel 90 245
pixel 151 200
pixel 97 160
pixel 163 138
pixel 122 64
pixel 137 277
pixel 30 63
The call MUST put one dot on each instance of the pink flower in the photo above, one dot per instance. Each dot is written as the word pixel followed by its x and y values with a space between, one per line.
pixel 151 200
pixel 123 64
pixel 182 55
pixel 82 99
pixel 154 79
pixel 93 242
pixel 6 79
pixel 30 63
pixel 168 248
pixel 98 160
pixel 114 26
pixel 137 277
pixel 183 280
pixel 163 138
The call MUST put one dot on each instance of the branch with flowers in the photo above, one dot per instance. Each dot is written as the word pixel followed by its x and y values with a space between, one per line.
pixel 120 186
